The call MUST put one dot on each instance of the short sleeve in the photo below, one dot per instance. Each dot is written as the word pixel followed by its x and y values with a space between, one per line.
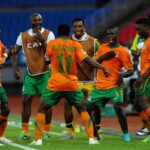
pixel 125 58
pixel 50 37
pixel 98 53
pixel 81 54
pixel 19 40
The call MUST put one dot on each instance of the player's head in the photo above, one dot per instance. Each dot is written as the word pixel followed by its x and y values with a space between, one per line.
pixel 63 30
pixel 112 34
pixel 36 21
pixel 142 26
pixel 78 27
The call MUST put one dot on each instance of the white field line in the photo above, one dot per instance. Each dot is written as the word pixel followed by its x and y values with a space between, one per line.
pixel 53 133
pixel 18 145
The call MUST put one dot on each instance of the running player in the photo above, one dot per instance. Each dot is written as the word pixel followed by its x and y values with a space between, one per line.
pixel 33 42
pixel 64 55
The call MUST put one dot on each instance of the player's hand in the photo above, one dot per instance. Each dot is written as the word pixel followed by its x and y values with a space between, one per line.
pixel 109 55
pixel 106 72
pixel 138 83
pixel 120 82
pixel 17 74
pixel 38 35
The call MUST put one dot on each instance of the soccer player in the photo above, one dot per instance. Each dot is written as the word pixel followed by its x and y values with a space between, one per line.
pixel 64 54
pixel 33 42
pixel 84 73
pixel 4 107
pixel 142 84
pixel 111 87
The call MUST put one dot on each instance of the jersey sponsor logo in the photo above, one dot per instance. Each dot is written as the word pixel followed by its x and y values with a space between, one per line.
pixel 34 45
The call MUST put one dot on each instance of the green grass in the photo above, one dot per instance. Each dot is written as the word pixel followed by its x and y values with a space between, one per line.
pixel 109 142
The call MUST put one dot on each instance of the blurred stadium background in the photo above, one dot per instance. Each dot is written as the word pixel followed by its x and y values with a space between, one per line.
pixel 98 15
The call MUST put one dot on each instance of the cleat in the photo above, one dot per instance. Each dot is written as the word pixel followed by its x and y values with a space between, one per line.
pixel 93 141
pixel 99 137
pixel 147 140
pixel 36 142
pixel 46 136
pixel 143 132
pixel 68 136
pixel 5 140
pixel 126 137
pixel 77 129
pixel 23 137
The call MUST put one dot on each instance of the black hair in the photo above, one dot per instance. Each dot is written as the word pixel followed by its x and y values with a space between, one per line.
pixel 63 30
pixel 143 21
pixel 78 19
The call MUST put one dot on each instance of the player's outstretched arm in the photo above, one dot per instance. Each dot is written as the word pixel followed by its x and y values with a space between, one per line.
pixel 95 64
pixel 13 50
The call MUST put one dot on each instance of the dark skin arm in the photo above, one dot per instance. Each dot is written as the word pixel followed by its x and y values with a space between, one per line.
pixel 106 56
pixel 95 64
pixel 120 82
pixel 140 80
pixel 13 52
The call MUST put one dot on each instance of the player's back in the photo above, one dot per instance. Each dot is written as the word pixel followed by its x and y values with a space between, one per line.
pixel 64 54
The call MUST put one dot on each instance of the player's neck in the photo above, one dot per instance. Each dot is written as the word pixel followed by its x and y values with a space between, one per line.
pixel 113 45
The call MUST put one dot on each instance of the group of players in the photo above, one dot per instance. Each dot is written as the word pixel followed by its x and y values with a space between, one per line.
pixel 80 70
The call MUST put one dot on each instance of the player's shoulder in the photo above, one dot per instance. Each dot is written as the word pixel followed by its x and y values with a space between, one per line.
pixel 92 38
pixel 147 41
pixel 104 45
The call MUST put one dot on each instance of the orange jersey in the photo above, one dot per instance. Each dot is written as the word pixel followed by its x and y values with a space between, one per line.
pixel 114 65
pixel 1 49
pixel 64 55
pixel 145 57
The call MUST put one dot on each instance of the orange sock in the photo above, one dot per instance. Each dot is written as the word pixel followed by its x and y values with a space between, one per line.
pixel 145 119
pixel 3 124
pixel 39 125
pixel 87 123
pixel 25 128
pixel 47 127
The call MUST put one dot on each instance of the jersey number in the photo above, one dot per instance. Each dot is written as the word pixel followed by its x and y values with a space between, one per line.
pixel 68 60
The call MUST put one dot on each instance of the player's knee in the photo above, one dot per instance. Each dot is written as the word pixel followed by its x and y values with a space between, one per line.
pixel 118 107
pixel 80 108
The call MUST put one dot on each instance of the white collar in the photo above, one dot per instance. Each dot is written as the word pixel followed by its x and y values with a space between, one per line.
pixel 30 31
pixel 84 37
